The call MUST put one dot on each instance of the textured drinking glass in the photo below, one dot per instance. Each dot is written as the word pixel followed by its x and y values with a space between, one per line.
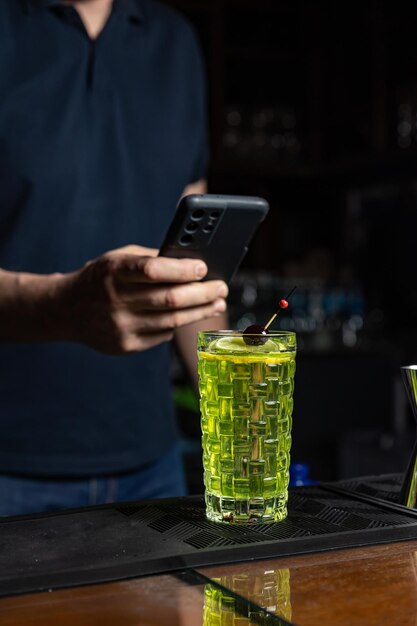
pixel 246 401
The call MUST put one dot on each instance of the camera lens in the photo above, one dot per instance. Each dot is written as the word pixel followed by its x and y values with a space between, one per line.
pixel 191 227
pixel 197 214
pixel 208 228
pixel 186 240
pixel 215 215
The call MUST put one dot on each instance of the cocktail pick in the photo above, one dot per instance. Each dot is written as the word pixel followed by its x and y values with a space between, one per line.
pixel 255 334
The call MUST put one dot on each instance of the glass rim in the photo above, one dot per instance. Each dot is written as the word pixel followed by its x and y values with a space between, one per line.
pixel 239 333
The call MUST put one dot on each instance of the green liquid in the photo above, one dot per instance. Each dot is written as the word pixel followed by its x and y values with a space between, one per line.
pixel 246 407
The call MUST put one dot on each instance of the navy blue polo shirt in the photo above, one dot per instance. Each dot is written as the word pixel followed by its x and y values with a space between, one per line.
pixel 97 141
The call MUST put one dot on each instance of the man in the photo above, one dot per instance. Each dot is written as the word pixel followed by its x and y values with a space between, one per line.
pixel 102 127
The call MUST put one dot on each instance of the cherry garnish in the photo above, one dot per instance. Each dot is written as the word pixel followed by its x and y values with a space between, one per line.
pixel 255 335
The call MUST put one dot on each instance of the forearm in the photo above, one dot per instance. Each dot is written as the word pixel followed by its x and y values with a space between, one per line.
pixel 186 340
pixel 126 300
pixel 29 307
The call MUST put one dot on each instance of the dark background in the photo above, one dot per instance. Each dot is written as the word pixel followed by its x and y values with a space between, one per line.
pixel 313 106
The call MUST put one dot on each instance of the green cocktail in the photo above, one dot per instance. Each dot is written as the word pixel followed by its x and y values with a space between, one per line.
pixel 246 406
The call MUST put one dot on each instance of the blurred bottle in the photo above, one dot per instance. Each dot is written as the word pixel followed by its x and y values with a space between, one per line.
pixel 326 315
pixel 300 475
pixel 269 134
pixel 407 116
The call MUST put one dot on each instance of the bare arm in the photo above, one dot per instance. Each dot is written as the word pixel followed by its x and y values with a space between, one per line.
pixel 126 300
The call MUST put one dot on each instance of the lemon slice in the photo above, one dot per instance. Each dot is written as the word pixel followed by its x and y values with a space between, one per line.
pixel 237 344
pixel 229 344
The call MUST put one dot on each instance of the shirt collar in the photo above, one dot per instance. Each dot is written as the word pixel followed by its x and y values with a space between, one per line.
pixel 132 8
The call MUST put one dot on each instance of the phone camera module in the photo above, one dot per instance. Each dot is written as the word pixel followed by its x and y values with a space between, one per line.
pixel 197 214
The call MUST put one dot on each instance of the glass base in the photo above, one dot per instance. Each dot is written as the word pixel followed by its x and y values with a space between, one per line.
pixel 250 511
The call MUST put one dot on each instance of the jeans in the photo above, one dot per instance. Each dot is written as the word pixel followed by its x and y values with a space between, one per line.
pixel 163 479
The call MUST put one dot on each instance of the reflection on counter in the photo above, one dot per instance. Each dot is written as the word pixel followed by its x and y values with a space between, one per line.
pixel 269 590
pixel 366 586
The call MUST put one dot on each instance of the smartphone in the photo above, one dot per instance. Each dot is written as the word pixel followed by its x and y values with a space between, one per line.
pixel 217 229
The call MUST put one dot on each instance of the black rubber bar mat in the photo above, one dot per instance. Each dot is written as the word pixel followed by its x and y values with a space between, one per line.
pixel 127 540
pixel 385 487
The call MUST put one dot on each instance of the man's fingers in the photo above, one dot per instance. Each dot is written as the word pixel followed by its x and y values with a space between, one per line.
pixel 169 297
pixel 150 329
pixel 137 269
pixel 172 320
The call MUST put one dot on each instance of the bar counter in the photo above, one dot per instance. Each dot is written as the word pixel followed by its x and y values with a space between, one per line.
pixel 341 558
pixel 367 586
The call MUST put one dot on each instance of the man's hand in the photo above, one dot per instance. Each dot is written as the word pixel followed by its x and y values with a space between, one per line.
pixel 130 300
